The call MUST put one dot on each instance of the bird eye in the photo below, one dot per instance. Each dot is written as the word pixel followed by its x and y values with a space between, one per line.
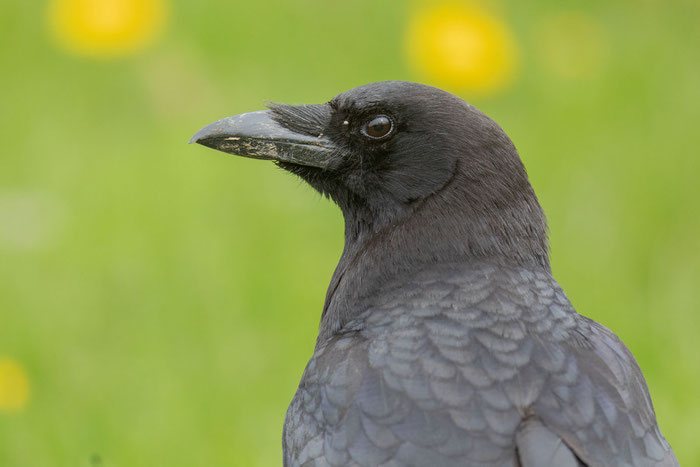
pixel 378 127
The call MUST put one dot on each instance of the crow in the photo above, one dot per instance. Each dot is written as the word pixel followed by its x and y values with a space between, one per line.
pixel 444 339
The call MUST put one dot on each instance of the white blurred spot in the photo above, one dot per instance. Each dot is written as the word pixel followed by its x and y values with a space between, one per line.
pixel 29 220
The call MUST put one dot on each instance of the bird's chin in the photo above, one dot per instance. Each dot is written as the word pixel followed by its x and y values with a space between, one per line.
pixel 307 173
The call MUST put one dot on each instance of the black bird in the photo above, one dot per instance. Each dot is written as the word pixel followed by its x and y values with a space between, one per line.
pixel 444 339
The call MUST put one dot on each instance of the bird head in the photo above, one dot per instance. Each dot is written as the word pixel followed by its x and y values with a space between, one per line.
pixel 390 151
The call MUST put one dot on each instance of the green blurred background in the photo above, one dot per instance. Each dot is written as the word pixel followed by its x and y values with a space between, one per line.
pixel 158 301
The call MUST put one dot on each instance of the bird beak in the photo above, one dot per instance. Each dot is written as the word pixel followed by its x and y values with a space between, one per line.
pixel 257 135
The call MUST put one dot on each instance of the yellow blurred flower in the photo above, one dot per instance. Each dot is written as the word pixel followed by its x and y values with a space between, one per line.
pixel 571 45
pixel 462 47
pixel 106 28
pixel 14 386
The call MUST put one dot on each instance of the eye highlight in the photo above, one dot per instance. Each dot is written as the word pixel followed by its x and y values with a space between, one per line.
pixel 378 127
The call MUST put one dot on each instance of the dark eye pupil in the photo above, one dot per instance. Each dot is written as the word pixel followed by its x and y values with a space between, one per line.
pixel 378 127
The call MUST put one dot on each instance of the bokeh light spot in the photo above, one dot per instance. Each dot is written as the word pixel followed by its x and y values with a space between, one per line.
pixel 462 47
pixel 572 45
pixel 29 220
pixel 14 386
pixel 106 28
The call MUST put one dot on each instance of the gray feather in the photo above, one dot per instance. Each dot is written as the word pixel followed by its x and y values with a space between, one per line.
pixel 538 447
pixel 452 381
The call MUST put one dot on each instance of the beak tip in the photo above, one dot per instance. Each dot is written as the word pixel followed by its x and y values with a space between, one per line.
pixel 200 135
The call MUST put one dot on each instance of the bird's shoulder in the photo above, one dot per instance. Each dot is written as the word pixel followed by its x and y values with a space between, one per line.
pixel 599 403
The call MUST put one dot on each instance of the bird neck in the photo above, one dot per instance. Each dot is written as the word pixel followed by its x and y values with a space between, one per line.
pixel 455 225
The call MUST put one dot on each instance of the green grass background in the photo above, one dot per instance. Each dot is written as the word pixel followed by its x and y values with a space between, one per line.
pixel 164 298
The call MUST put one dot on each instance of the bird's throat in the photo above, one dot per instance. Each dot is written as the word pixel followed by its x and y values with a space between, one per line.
pixel 381 249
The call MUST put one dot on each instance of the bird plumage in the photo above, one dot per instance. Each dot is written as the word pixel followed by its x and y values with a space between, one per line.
pixel 444 338
pixel 451 365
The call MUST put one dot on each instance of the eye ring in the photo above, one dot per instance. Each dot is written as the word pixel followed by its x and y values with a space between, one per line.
pixel 378 127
